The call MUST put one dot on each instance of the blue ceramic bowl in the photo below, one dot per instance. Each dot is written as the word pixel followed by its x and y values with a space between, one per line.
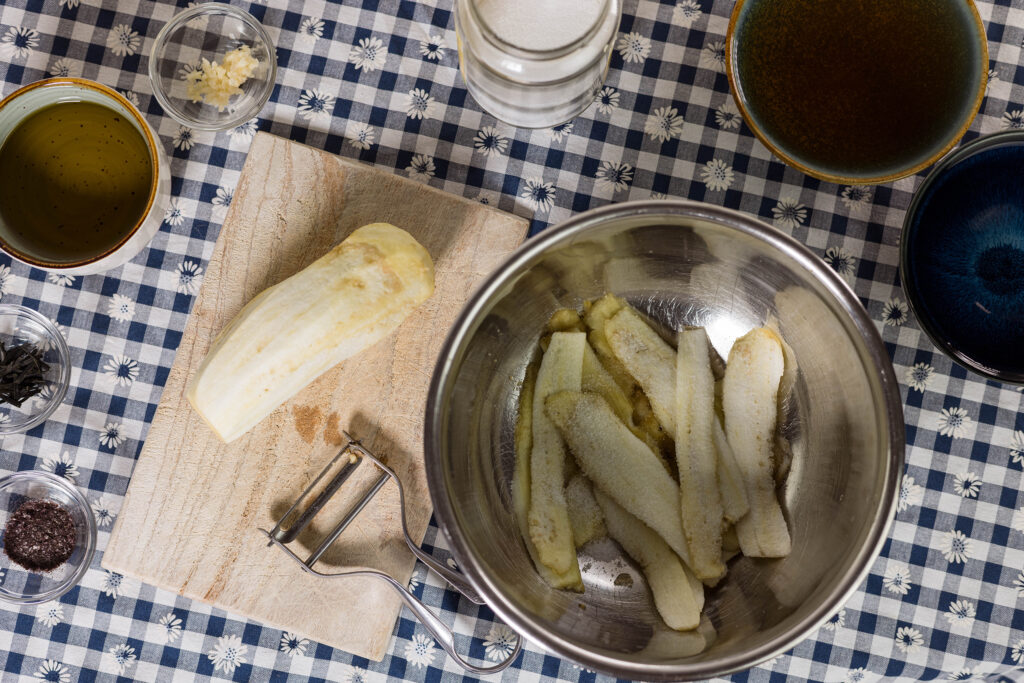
pixel 962 256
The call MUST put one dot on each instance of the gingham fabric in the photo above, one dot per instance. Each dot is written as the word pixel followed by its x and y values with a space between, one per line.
pixel 378 81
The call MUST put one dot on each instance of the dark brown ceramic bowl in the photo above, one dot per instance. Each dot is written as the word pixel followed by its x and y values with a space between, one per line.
pixel 854 95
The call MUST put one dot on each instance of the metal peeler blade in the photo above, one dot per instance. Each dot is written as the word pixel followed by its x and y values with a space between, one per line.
pixel 349 458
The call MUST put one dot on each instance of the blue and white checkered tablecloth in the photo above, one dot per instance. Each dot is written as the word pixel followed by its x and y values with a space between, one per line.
pixel 378 81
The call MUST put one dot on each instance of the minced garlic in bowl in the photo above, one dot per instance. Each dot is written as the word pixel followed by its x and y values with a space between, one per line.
pixel 215 83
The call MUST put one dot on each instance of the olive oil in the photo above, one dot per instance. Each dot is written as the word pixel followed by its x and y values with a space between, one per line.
pixel 858 86
pixel 75 180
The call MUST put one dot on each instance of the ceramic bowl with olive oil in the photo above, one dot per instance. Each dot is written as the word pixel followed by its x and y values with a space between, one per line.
pixel 853 92
pixel 83 181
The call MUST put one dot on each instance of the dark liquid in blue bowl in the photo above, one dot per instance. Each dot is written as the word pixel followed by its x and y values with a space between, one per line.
pixel 965 258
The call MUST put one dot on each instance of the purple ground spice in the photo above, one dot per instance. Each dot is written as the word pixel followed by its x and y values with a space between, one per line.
pixel 39 536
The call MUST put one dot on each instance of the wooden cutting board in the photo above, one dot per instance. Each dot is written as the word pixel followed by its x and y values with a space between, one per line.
pixel 190 518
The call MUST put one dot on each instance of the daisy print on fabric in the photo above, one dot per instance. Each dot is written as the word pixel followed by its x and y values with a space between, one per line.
pixel 418 104
pixel 61 279
pixel 315 105
pixel 245 131
pixel 184 139
pixel 614 175
pixel 112 584
pixel 52 671
pixel 421 167
pixel 960 614
pixel 1013 120
pixel 419 651
pixel 6 280
pixel 953 422
pixel 368 54
pixel 190 276
pixel 855 197
pixel 789 213
pixel 919 376
pixel 499 643
pixel 1017 522
pixel 841 261
pixel 70 4
pixel 112 435
pixel 222 200
pixel 65 68
pixel 104 509
pixel 487 198
pixel 713 56
pixel 540 196
pixel 131 96
pixel 172 627
pixel 122 656
pixel 717 175
pixel 361 135
pixel 685 13
pixel 293 645
pixel 18 42
pixel 1018 583
pixel 121 370
pixel 560 132
pixel 858 675
pixel 123 41
pixel 961 675
pixel 433 48
pixel 50 613
pixel 967 484
pixel 1017 447
pixel 897 578
pixel 910 493
pixel 63 466
pixel 1017 652
pixel 351 674
pixel 659 195
pixel 908 638
pixel 311 28
pixel 490 142
pixel 172 214
pixel 228 654
pixel 633 47
pixel 894 312
pixel 663 124
pixel 607 100
pixel 121 308
pixel 956 547
pixel 837 620
pixel 727 116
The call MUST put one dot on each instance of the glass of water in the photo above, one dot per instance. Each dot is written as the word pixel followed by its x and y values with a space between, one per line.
pixel 535 63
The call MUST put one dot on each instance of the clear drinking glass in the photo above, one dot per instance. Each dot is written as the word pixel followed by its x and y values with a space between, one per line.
pixel 535 63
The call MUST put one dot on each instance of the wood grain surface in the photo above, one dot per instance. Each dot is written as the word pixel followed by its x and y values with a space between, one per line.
pixel 190 518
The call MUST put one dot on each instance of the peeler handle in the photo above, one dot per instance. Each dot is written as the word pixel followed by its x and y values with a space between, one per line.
pixel 444 635
pixel 452 576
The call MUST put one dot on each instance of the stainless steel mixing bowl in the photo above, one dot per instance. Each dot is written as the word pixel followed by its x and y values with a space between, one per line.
pixel 683 263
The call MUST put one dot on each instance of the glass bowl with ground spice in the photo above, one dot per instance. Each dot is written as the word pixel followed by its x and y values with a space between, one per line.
pixel 48 537
pixel 35 368
pixel 213 67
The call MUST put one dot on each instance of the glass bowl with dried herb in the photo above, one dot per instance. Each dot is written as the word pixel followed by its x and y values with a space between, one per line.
pixel 35 368
pixel 49 537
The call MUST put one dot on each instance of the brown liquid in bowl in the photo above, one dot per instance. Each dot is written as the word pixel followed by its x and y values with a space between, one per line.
pixel 75 179
pixel 858 87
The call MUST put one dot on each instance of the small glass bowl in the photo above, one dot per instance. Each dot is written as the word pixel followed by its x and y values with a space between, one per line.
pixel 19 585
pixel 23 325
pixel 210 30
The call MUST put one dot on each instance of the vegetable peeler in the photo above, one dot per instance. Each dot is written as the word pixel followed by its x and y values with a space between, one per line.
pixel 350 457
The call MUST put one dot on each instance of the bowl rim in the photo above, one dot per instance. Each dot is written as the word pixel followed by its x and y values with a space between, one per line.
pixel 737 93
pixel 53 481
pixel 908 233
pixel 887 387
pixel 187 15
pixel 61 346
